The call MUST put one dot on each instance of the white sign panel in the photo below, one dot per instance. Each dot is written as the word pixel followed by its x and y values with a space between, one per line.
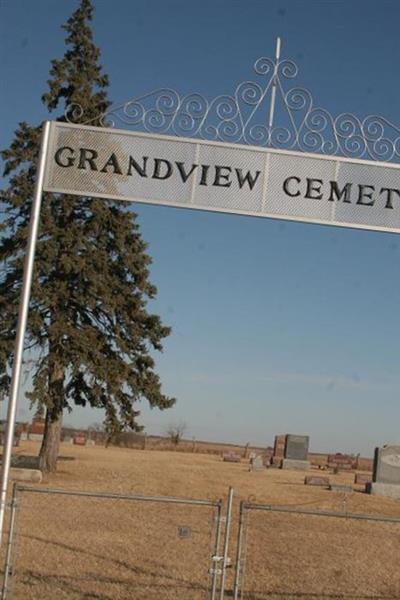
pixel 190 173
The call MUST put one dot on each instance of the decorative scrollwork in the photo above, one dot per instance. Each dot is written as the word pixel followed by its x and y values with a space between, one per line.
pixel 245 117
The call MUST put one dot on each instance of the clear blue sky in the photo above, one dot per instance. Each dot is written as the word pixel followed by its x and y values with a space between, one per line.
pixel 277 327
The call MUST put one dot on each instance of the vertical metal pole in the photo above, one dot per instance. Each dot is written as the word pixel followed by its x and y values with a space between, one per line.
pixel 226 542
pixel 239 552
pixel 273 92
pixel 216 553
pixel 8 566
pixel 22 320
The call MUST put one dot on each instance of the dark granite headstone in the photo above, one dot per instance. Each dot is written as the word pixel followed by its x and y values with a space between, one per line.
pixel 297 447
pixel 21 461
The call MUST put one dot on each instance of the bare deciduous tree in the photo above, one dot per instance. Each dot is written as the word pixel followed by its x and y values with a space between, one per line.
pixel 175 431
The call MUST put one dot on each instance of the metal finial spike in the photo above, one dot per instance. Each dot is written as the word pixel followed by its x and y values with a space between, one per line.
pixel 273 91
pixel 278 48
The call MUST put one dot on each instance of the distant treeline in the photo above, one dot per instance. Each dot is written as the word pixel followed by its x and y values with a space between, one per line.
pixel 140 441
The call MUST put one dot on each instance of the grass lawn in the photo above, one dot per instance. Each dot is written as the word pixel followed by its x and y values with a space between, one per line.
pixel 111 549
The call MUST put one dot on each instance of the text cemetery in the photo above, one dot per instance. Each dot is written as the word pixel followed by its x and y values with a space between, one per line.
pixel 225 176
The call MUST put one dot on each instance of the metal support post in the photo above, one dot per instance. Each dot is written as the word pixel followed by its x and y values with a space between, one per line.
pixel 216 557
pixel 239 553
pixel 8 566
pixel 21 326
pixel 226 542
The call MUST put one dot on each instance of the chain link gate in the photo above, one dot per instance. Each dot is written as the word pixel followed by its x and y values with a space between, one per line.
pixel 176 552
pixel 288 552
pixel 274 545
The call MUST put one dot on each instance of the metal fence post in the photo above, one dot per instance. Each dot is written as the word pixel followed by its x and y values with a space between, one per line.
pixel 239 552
pixel 8 565
pixel 226 542
pixel 216 557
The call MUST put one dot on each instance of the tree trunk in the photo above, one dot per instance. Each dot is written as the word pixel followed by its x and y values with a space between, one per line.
pixel 54 415
pixel 51 441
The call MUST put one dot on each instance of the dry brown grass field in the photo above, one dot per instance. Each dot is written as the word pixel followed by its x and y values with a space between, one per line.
pixel 112 549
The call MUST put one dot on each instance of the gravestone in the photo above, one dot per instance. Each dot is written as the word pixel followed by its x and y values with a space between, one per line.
pixel 276 461
pixel 22 461
pixel 387 465
pixel 37 426
pixel 267 461
pixel 341 462
pixel 279 445
pixel 295 465
pixel 362 478
pixel 316 480
pixel 184 532
pixel 296 447
pixel 257 464
pixel 296 452
pixel 341 488
pixel 80 440
pixel 231 457
pixel 16 439
pixel 26 475
pixel 386 473
pixel 35 437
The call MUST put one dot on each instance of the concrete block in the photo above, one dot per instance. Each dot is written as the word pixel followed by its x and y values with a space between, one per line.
pixel 390 490
pixel 80 440
pixel 341 488
pixel 362 478
pixel 256 464
pixel 35 437
pixel 316 480
pixel 26 475
pixel 297 465
pixel 231 457
pixel 387 465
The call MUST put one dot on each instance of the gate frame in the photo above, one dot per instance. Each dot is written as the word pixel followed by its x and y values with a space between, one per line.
pixel 246 507
pixel 18 490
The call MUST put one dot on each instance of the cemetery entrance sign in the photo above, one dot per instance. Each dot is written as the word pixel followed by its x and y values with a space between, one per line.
pixel 217 176
pixel 279 178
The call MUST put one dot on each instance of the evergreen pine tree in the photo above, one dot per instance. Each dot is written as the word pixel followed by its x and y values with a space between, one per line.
pixel 88 321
